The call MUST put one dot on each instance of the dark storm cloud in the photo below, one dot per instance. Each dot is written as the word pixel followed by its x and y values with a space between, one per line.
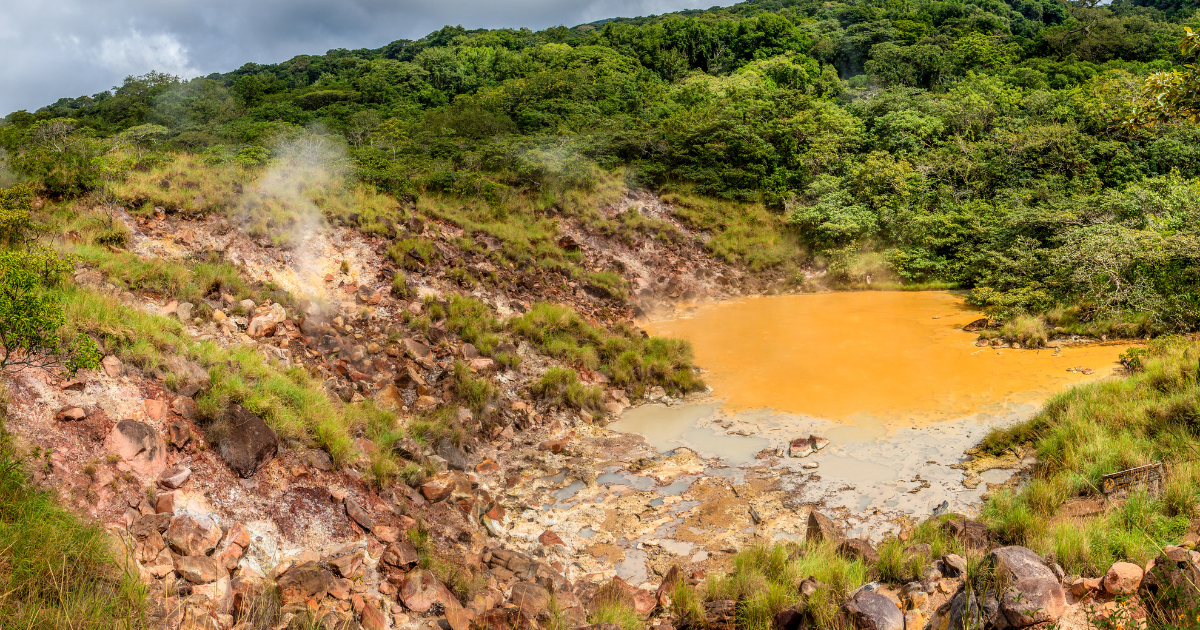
pixel 76 47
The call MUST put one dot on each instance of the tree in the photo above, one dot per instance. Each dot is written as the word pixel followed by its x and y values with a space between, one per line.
pixel 144 137
pixel 31 316
pixel 15 205
pixel 1174 95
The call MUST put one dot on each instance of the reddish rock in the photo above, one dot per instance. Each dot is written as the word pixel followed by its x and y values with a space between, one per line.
pixel 419 590
pixel 821 527
pixel 358 514
pixel 139 445
pixel 1122 578
pixel 71 414
pixel 438 488
pixel 372 617
pixel 112 366
pixel 386 533
pixel 549 538
pixel 554 446
pixel 401 555
pixel 155 409
pixel 165 503
pixel 192 535
pixel 198 569
pixel 348 565
pixel 174 477
pixel 304 582
pixel 487 466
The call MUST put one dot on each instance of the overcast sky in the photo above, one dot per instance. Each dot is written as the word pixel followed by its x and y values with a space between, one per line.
pixel 55 48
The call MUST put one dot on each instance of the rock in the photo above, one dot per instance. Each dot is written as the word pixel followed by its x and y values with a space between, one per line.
pixel 800 447
pixel 720 614
pixel 531 598
pixel 417 349
pixel 1034 594
pixel 348 565
pixel 184 406
pixel 139 445
pixel 401 555
pixel 954 565
pixel 165 503
pixel 219 595
pixel 155 409
pixel 198 569
pixel 469 352
pixel 265 320
pixel 389 397
pixel 112 366
pixel 149 524
pixel 246 443
pixel 789 619
pixel 976 325
pixel 358 514
pixel 1171 584
pixel 174 477
pixel 914 594
pixel 385 533
pixel 914 619
pixel 179 433
pixel 372 618
pixel 1122 578
pixel 972 534
pixel 869 610
pixel 818 442
pixel 820 527
pixel 438 488
pixel 425 403
pixel 419 590
pixel 810 585
pixel 859 548
pixel 549 538
pixel 184 312
pixel 192 534
pixel 487 466
pixel 670 582
pixel 71 414
pixel 455 458
pixel 304 582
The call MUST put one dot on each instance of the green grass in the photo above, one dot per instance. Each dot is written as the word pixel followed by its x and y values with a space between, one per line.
pixel 765 580
pixel 561 386
pixel 742 233
pixel 897 566
pixel 1092 430
pixel 619 613
pixel 56 570
pixel 630 361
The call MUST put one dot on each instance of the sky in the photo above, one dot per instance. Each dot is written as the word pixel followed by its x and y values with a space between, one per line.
pixel 55 48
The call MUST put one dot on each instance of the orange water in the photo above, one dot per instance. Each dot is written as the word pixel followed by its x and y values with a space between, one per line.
pixel 892 356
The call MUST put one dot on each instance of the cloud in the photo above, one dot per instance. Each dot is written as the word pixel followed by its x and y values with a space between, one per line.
pixel 76 47
pixel 135 53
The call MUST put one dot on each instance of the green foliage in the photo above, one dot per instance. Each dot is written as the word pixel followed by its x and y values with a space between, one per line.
pixel 31 315
pixel 16 202
pixel 561 386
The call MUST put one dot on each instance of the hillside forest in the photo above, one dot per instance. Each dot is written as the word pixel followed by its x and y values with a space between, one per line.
pixel 1042 154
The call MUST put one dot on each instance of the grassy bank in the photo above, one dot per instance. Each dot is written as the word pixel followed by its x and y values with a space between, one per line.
pixel 56 570
pixel 1089 431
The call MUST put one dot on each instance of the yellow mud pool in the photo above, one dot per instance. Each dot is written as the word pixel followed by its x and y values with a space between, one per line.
pixel 890 356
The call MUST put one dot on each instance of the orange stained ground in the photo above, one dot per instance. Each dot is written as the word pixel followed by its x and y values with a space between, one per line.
pixel 892 356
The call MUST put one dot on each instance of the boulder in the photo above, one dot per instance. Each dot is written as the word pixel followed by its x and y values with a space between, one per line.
pixel 1122 578
pixel 869 610
pixel 138 445
pixel 174 477
pixel 532 598
pixel 192 534
pixel 720 614
pixel 401 555
pixel 789 619
pixel 455 458
pixel 184 312
pixel 245 442
pixel 1171 586
pixel 954 565
pixel 1034 594
pixel 304 582
pixel 198 569
pixel 972 534
pixel 858 548
pixel 265 320
pixel 820 527
pixel 358 514
pixel 420 590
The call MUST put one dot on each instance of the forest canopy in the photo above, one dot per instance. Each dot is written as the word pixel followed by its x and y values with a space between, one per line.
pixel 1043 153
